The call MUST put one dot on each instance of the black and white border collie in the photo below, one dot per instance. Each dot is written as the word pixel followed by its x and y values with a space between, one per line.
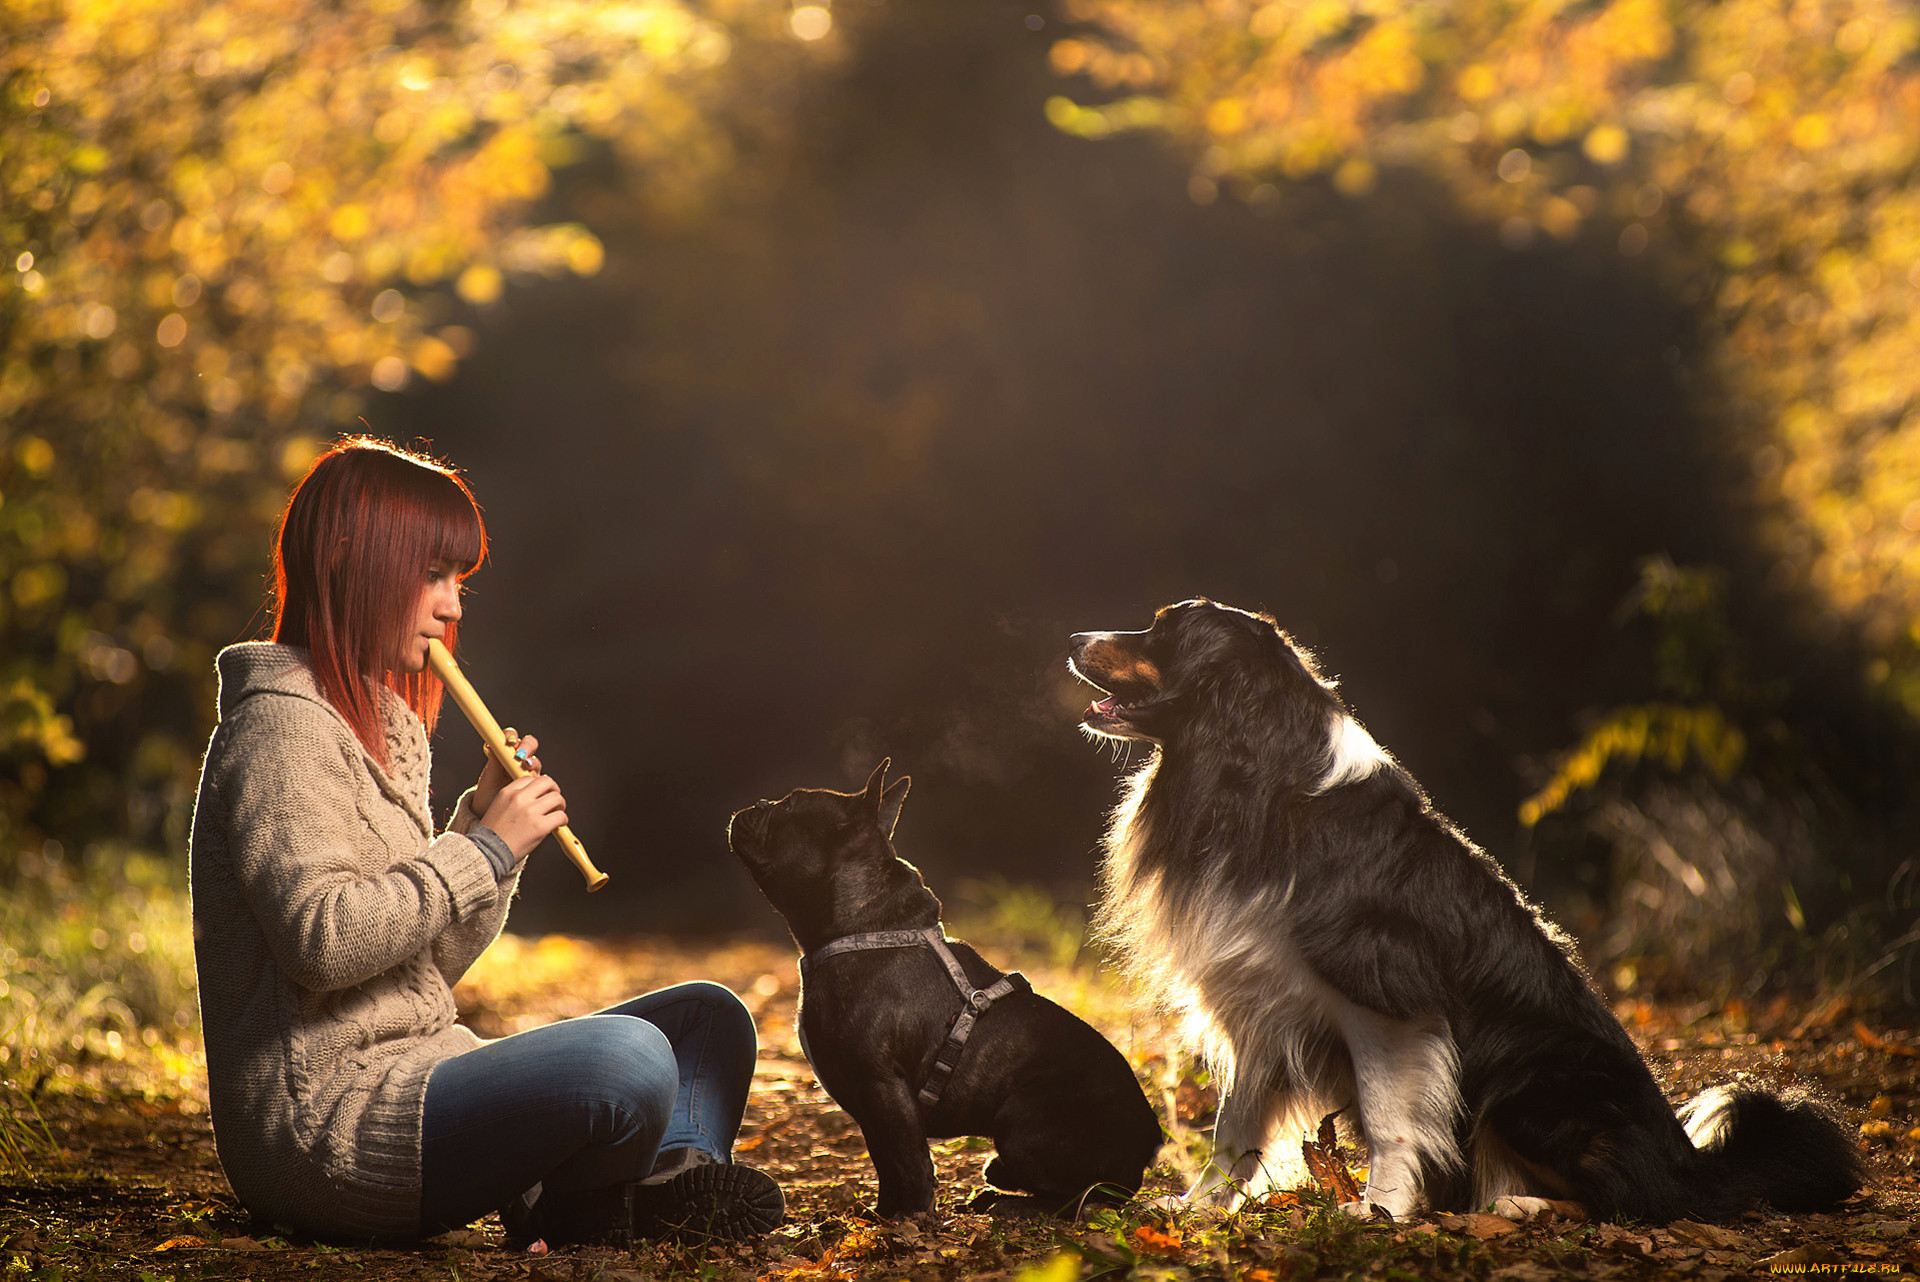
pixel 1331 940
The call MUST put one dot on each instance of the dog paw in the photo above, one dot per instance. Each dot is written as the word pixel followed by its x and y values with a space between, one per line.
pixel 1521 1208
pixel 1366 1211
pixel 1008 1205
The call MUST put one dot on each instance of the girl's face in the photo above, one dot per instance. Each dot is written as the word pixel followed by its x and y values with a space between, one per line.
pixel 437 606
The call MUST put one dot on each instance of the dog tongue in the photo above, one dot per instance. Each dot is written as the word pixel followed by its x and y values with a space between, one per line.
pixel 1104 707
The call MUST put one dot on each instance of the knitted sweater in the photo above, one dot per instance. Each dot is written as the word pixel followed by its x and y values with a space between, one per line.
pixel 330 925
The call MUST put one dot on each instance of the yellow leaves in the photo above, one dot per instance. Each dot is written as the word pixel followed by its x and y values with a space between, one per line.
pixel 39 584
pixel 585 255
pixel 1068 57
pixel 1227 116
pixel 1560 217
pixel 1070 117
pixel 1355 177
pixel 88 158
pixel 1632 30
pixel 1663 733
pixel 435 359
pixel 1812 131
pixel 297 455
pixel 1477 82
pixel 810 22
pixel 1063 1266
pixel 480 284
pixel 1605 144
pixel 1384 61
pixel 28 719
pixel 350 222
pixel 34 455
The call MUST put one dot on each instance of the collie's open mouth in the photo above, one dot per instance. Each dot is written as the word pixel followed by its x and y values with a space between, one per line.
pixel 1113 713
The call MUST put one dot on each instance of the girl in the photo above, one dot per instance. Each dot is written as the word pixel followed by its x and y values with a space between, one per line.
pixel 331 923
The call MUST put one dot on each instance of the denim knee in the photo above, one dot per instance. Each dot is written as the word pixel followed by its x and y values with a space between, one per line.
pixel 627 1064
pixel 729 1014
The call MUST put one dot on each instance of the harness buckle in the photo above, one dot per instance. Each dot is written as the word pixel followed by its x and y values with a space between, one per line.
pixel 979 1001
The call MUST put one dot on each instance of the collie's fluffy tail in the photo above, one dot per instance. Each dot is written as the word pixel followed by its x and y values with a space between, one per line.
pixel 1790 1149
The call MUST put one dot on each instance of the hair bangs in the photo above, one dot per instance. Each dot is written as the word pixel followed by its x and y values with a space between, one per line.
pixel 460 536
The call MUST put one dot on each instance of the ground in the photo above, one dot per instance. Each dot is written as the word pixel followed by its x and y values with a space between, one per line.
pixel 132 1187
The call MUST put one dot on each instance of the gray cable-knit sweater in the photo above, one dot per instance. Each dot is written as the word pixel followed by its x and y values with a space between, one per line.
pixel 330 925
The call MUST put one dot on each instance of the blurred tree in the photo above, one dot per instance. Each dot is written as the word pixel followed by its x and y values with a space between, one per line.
pixel 1761 153
pixel 221 226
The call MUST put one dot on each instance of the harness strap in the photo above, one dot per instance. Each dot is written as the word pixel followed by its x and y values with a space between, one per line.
pixel 973 1001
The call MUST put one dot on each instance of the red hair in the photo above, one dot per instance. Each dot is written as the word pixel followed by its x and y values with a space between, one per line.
pixel 358 535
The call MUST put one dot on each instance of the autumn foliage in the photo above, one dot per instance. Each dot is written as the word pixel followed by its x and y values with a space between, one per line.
pixel 1758 154
pixel 222 226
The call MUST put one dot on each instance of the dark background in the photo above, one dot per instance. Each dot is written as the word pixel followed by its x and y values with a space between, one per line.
pixel 829 472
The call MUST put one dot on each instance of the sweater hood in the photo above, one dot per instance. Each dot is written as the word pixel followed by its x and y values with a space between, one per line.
pixel 266 667
pixel 253 668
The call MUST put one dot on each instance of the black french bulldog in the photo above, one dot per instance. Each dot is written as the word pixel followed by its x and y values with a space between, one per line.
pixel 881 1003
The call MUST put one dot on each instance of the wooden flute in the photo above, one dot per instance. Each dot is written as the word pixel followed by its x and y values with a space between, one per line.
pixel 496 740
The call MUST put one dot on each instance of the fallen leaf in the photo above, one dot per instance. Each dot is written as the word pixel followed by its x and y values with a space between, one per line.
pixel 1153 1240
pixel 1706 1235
pixel 175 1243
pixel 1822 1018
pixel 1616 1238
pixel 1329 1171
pixel 242 1244
pixel 1874 1042
pixel 1812 1253
pixel 1488 1227
pixel 1524 1271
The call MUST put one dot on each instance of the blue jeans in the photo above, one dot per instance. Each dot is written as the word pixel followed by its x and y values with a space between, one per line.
pixel 586 1102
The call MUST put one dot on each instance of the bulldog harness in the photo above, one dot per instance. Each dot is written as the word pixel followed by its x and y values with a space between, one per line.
pixel 973 1001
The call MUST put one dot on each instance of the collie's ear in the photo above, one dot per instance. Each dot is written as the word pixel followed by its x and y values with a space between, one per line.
pixel 876 781
pixel 890 802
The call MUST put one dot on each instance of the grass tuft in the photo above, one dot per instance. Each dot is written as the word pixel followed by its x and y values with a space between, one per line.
pixel 96 970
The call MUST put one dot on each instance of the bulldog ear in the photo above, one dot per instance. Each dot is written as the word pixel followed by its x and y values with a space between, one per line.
pixel 890 802
pixel 876 781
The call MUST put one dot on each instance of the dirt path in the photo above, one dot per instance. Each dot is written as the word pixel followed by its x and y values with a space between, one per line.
pixel 136 1191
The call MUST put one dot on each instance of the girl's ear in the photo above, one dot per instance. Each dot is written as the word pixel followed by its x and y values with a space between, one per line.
pixel 890 802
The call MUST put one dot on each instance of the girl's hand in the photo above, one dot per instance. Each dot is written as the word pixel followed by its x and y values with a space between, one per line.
pixel 525 812
pixel 494 776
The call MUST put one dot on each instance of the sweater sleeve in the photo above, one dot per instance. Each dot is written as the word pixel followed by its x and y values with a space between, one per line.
pixel 299 848
pixel 461 944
